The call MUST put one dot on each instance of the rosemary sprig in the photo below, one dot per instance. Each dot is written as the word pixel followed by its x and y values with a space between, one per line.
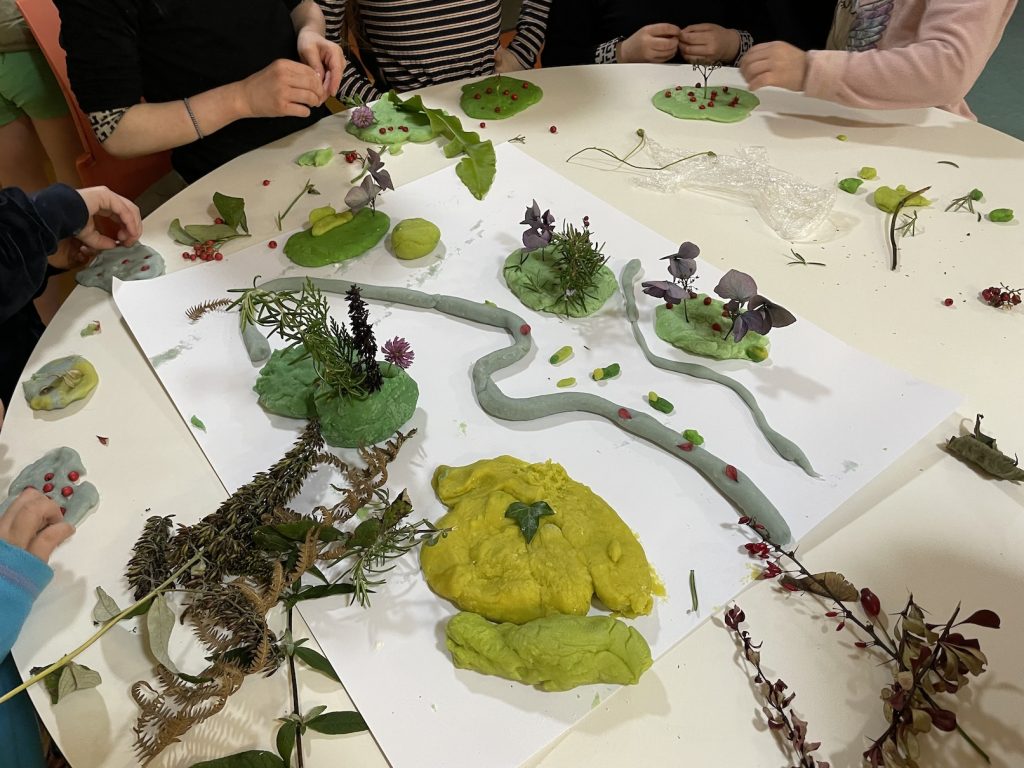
pixel 892 224
pixel 908 225
pixel 799 259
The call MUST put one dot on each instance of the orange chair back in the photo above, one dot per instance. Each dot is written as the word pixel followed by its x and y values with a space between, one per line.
pixel 96 167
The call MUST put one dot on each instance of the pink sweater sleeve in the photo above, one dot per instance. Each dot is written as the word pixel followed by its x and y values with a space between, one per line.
pixel 927 58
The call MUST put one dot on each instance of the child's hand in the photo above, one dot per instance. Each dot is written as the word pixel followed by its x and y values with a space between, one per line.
pixel 100 201
pixel 34 523
pixel 654 44
pixel 779 64
pixel 708 44
pixel 505 61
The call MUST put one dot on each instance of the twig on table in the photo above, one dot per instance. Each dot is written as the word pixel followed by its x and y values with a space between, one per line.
pixel 892 224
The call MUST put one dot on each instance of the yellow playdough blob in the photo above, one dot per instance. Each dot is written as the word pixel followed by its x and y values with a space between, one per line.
pixel 485 565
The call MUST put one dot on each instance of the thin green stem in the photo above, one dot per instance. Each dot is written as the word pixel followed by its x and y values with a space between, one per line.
pixel 622 160
pixel 64 660
pixel 281 216
pixel 293 680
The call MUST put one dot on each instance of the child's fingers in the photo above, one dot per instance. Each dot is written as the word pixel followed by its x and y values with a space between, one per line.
pixel 49 539
pixel 32 512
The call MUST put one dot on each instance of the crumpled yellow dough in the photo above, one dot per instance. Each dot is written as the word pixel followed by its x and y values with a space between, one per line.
pixel 485 565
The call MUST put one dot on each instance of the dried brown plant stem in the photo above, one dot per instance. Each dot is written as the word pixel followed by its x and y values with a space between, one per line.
pixel 892 224
pixel 293 681
pixel 64 660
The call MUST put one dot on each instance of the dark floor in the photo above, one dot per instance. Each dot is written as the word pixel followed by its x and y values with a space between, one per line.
pixel 994 98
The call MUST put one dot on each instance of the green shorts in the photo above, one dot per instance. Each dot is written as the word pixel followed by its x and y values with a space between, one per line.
pixel 28 87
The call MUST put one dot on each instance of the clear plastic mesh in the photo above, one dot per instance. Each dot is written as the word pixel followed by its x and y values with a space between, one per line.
pixel 794 208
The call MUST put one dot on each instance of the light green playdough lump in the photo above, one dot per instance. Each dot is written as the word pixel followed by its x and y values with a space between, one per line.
pixel 723 104
pixel 498 97
pixel 58 469
pixel 352 423
pixel 699 337
pixel 887 198
pixel 139 262
pixel 345 242
pixel 555 653
pixel 534 281
pixel 391 121
pixel 414 238
pixel 286 383
pixel 59 383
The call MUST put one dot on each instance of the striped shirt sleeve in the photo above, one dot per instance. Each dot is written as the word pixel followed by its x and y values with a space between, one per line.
pixel 530 31
pixel 354 83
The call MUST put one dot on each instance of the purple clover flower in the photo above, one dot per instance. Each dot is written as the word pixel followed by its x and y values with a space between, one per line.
pixel 362 117
pixel 398 352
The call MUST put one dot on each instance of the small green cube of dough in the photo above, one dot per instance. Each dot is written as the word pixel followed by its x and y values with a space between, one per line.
pixel 850 185
pixel 868 173
pixel 414 238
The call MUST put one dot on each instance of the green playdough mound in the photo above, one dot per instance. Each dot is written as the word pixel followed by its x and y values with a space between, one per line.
pixel 285 384
pixel 414 238
pixel 555 653
pixel 352 423
pixel 59 383
pixel 699 337
pixel 498 97
pixel 534 282
pixel 723 104
pixel 389 125
pixel 341 243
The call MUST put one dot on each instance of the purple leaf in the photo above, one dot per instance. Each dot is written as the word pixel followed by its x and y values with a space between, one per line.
pixel 736 285
pixel 688 250
pixel 942 719
pixel 534 239
pixel 664 289
pixel 739 326
pixel 360 197
pixel 778 316
pixel 679 268
pixel 757 320
pixel 375 167
pixel 983 618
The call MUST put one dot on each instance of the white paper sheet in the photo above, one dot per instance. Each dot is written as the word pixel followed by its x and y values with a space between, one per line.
pixel 852 415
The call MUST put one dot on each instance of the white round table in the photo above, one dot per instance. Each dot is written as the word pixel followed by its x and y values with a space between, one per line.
pixel 929 524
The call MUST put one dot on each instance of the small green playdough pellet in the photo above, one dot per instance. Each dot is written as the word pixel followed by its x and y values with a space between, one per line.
pixel 850 185
pixel 867 173
pixel 842 137
pixel 976 194
pixel 197 423
pixel 563 383
pixel 659 403
pixel 693 436
pixel 609 372
pixel 561 355
pixel 1001 215
pixel 321 213
pixel 327 223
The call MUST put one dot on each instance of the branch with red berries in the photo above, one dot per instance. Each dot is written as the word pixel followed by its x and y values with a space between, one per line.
pixel 928 660
pixel 777 710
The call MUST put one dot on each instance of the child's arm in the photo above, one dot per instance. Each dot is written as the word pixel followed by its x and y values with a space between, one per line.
pixel 530 32
pixel 955 39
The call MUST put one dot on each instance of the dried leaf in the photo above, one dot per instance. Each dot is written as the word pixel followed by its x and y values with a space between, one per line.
pixel 70 678
pixel 159 622
pixel 106 607
pixel 823 584
pixel 103 440
pixel 983 618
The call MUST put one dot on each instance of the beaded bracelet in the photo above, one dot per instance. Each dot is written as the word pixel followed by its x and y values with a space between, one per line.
pixel 191 114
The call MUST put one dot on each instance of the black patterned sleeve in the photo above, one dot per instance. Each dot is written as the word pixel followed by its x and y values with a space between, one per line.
pixel 531 30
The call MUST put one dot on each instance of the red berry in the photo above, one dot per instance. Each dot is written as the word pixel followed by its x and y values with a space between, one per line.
pixel 701 107
pixel 669 305
pixel 272 244
pixel 714 94
pixel 218 220
pixel 48 476
pixel 716 327
pixel 948 302
pixel 144 268
pixel 483 125
pixel 725 313
pixel 553 129
pixel 66 491
pixel 689 93
pixel 831 614
pixel 687 446
pixel 266 182
pixel 403 128
pixel 861 644
pixel 47 487
pixel 382 131
pixel 218 256
pixel 743 520
pixel 524 329
pixel 1004 296
pixel 124 261
pixel 840 626
pixel 1016 299
pixel 476 96
pixel 489 90
pixel 63 510
pixel 725 89
pixel 711 104
pixel 625 414
pixel 668 94
pixel 73 476
pixel 525 85
pixel 693 99
pixel 679 87
pixel 696 85
pixel 707 301
pixel 497 109
pixel 731 473
pixel 514 97
pixel 184 254
pixel 505 92
pixel 870 603
pixel 391 128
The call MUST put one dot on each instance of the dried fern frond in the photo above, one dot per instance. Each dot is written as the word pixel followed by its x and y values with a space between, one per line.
pixel 196 311
pixel 149 565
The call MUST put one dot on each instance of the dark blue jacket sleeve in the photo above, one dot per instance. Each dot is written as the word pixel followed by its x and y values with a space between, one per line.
pixel 30 229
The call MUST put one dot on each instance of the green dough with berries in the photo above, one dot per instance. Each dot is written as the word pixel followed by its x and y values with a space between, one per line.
pixel 498 97
pixel 365 230
pixel 57 475
pixel 703 330
pixel 392 126
pixel 722 104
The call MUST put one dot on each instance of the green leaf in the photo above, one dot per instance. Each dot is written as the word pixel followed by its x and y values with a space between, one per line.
pixel 528 517
pixel 315 157
pixel 286 736
pixel 317 661
pixel 197 423
pixel 232 210
pixel 252 759
pixel 314 713
pixel 68 679
pixel 219 233
pixel 333 723
pixel 178 234
pixel 139 610
pixel 269 540
pixel 478 168
pixel 295 531
pixel 106 608
pixel 159 622
pixel 318 573
pixel 320 590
